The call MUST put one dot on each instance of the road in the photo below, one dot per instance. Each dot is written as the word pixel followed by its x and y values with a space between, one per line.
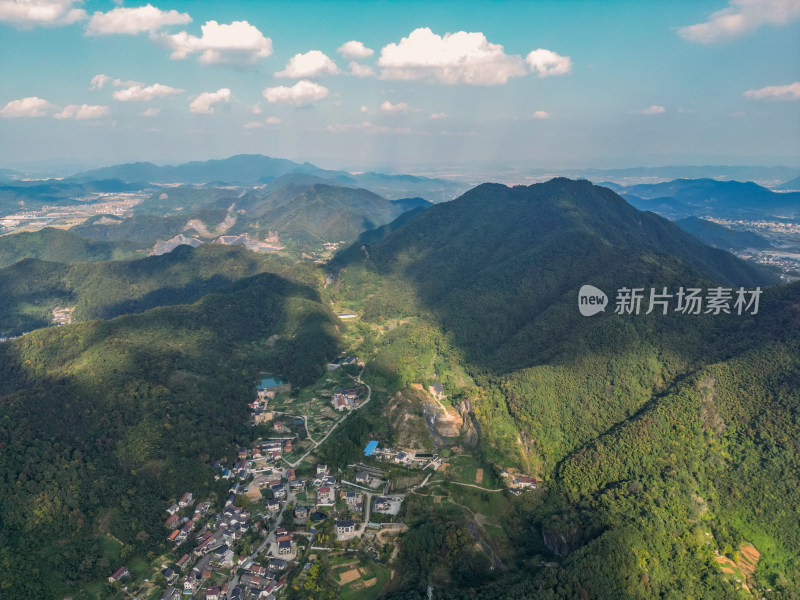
pixel 316 445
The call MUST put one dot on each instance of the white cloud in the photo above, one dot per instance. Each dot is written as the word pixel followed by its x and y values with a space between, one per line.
pixel 138 92
pixel 741 17
pixel 237 43
pixel 98 81
pixel 83 112
pixel 365 126
pixel 650 110
pixel 302 93
pixel 27 107
pixel 134 20
pixel 440 115
pixel 399 108
pixel 256 110
pixel 253 125
pixel 454 58
pixel 29 13
pixel 775 92
pixel 540 114
pixel 151 112
pixel 544 63
pixel 354 49
pixel 273 120
pixel 311 64
pixel 204 103
pixel 358 70
pixel 686 111
pixel 363 109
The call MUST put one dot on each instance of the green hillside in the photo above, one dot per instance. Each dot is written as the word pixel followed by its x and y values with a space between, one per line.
pixel 102 290
pixel 613 411
pixel 59 245
pixel 103 423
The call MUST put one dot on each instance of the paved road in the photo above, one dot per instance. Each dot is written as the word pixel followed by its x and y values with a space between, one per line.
pixel 332 429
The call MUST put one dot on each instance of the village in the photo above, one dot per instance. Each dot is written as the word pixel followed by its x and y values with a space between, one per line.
pixel 282 513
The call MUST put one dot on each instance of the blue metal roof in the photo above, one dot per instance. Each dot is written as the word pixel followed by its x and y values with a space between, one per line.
pixel 370 448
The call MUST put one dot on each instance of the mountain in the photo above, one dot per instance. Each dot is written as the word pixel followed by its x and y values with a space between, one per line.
pixel 497 258
pixel 792 186
pixel 656 437
pixel 720 236
pixel 701 197
pixel 242 168
pixel 59 245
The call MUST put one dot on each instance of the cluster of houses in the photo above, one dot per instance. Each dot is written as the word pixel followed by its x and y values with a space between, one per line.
pixel 257 581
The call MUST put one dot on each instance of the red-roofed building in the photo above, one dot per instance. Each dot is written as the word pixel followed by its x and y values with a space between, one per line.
pixel 119 574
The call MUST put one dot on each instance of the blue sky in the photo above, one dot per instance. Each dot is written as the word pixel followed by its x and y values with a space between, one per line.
pixel 550 84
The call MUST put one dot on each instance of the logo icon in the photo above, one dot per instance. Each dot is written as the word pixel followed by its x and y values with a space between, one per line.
pixel 591 300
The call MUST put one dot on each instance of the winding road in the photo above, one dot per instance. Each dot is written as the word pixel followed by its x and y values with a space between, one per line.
pixel 357 379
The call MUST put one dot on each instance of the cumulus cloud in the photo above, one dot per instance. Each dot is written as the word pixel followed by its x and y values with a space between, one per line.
pixel 302 93
pixel 253 125
pixel 544 63
pixel 273 120
pixel 440 115
pixel 775 92
pixel 31 106
pixel 354 49
pixel 237 43
pixel 264 123
pixel 204 103
pixel 134 20
pixel 650 110
pixel 138 92
pixel 99 81
pixel 741 17
pixel 311 64
pixel 454 58
pixel 358 70
pixel 366 127
pixel 151 112
pixel 540 114
pixel 399 108
pixel 49 13
pixel 83 112
pixel 363 109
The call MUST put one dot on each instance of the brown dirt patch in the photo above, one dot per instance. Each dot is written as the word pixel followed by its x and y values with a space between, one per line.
pixel 348 576
pixel 479 476
pixel 370 582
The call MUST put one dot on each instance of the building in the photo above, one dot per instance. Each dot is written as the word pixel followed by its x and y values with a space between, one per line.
pixel 438 391
pixel 345 527
pixel 526 482
pixel 285 547
pixel 185 500
pixel 119 574
pixel 363 477
pixel 212 593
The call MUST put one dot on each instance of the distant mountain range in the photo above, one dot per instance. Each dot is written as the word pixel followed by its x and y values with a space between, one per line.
pixel 700 197
pixel 254 169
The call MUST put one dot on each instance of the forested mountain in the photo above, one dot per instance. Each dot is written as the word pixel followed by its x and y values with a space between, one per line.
pixel 102 423
pixel 720 236
pixel 649 428
pixel 103 290
pixel 59 245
